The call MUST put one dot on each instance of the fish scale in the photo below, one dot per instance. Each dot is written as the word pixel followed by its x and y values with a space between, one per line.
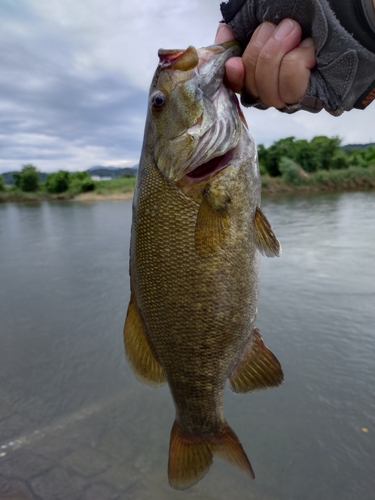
pixel 179 328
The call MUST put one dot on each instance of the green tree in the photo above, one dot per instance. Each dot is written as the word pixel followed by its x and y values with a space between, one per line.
pixel 369 155
pixel 272 158
pixel 323 150
pixel 339 160
pixel 27 179
pixel 321 153
pixel 81 182
pixel 57 182
pixel 2 183
pixel 355 158
pixel 301 152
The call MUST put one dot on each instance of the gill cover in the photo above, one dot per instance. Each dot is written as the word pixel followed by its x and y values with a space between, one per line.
pixel 198 119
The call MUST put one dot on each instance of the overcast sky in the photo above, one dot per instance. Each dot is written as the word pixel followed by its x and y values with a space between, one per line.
pixel 74 76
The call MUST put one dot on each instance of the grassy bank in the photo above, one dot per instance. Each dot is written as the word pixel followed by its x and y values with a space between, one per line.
pixel 349 179
pixel 121 188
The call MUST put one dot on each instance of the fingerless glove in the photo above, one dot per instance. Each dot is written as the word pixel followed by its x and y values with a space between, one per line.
pixel 344 76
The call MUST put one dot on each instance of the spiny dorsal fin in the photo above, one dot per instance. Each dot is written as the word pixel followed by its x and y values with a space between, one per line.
pixel 258 368
pixel 267 242
pixel 211 228
pixel 190 456
pixel 138 351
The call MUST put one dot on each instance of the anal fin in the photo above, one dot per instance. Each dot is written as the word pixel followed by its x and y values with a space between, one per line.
pixel 138 351
pixel 267 242
pixel 258 368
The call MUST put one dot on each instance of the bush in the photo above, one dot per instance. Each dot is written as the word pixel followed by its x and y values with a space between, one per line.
pixel 27 179
pixel 290 171
pixel 339 161
pixel 87 185
pixel 2 183
pixel 57 182
pixel 347 178
pixel 81 182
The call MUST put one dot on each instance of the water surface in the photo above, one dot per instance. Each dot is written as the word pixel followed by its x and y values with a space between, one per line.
pixel 74 422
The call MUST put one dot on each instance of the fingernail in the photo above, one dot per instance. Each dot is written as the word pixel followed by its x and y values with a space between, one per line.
pixel 284 29
pixel 307 43
pixel 265 32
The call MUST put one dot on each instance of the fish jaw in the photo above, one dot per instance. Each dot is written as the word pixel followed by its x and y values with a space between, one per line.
pixel 200 119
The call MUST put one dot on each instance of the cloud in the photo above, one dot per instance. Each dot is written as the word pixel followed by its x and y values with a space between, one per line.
pixel 58 109
pixel 74 77
pixel 354 127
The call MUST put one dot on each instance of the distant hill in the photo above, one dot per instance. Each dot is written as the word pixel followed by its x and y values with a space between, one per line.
pixel 348 147
pixel 113 172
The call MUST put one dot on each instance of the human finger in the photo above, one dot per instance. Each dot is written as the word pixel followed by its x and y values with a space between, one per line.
pixel 235 74
pixel 223 34
pixel 234 69
pixel 251 54
pixel 295 71
pixel 262 59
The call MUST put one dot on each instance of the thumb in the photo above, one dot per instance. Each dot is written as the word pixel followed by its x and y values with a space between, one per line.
pixel 223 34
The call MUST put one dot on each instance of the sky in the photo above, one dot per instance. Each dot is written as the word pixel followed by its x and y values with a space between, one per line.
pixel 74 79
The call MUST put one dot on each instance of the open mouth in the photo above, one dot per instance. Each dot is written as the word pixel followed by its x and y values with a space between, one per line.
pixel 211 167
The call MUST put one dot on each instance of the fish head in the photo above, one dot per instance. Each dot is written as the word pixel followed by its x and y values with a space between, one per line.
pixel 195 119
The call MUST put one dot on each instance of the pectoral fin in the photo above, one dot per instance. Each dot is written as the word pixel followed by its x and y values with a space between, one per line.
pixel 258 368
pixel 267 242
pixel 138 351
pixel 211 228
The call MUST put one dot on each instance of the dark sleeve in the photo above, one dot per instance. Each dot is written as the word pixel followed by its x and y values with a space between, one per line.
pixel 344 77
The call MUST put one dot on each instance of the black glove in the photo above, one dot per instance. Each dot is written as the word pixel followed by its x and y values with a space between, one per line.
pixel 344 77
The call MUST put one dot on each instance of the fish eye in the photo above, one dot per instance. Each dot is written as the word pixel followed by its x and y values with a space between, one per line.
pixel 158 101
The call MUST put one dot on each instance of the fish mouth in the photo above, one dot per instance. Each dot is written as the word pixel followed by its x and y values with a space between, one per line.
pixel 210 168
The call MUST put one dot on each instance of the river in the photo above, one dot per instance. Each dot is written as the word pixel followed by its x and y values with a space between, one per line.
pixel 76 424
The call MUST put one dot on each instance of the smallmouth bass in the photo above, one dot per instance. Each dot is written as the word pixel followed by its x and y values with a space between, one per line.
pixel 197 233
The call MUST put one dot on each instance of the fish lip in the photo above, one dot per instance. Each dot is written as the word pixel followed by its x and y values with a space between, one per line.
pixel 231 48
pixel 210 168
pixel 213 59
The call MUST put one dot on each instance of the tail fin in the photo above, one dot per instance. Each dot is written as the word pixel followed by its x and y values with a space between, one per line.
pixel 190 456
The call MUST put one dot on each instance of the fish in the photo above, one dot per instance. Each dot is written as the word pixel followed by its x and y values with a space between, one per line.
pixel 197 234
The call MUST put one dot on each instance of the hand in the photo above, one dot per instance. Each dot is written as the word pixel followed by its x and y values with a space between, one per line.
pixel 275 66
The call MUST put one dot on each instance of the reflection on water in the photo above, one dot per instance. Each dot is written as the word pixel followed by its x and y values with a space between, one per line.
pixel 74 423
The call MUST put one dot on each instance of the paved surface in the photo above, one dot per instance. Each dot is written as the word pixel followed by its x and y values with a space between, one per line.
pixel 71 459
pixel 108 452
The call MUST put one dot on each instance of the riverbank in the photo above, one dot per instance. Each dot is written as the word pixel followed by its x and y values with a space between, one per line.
pixel 349 179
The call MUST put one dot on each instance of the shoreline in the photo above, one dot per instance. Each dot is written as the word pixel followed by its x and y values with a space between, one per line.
pixel 91 197
pixel 348 180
